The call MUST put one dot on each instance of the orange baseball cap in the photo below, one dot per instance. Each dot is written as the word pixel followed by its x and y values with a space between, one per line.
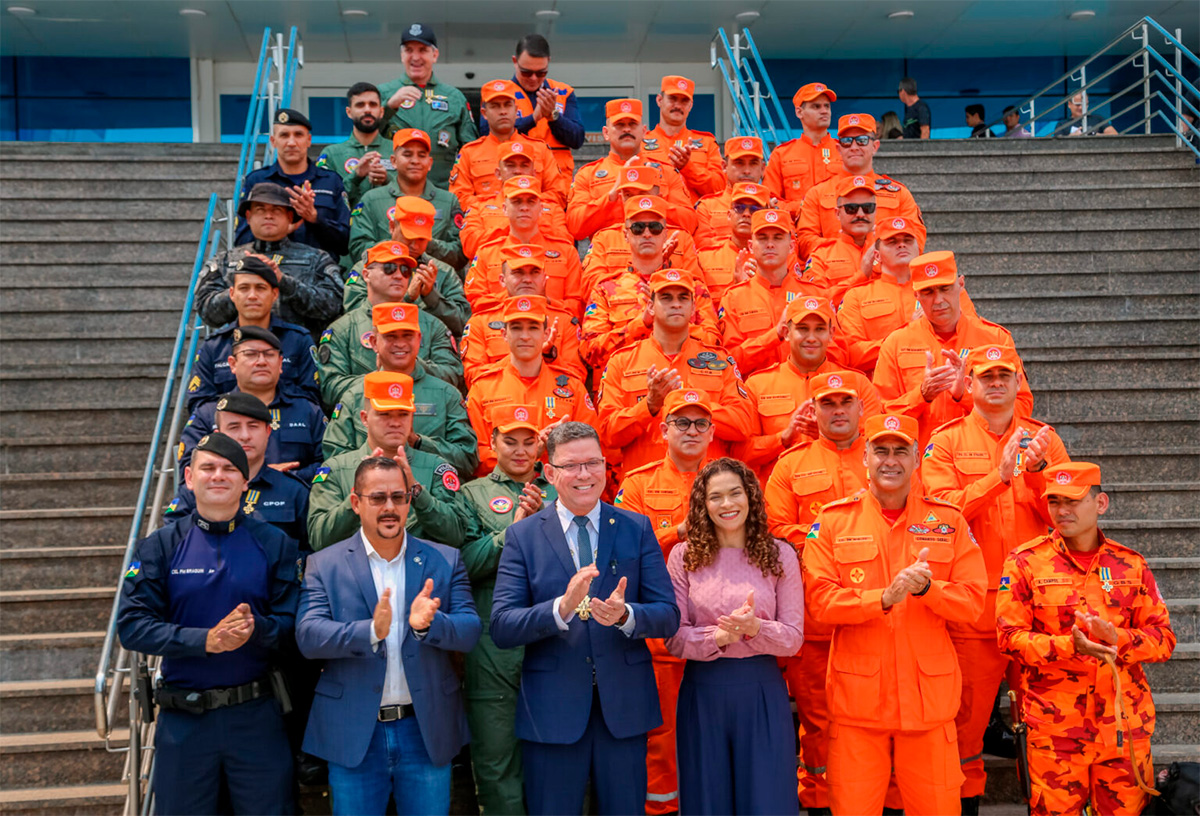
pixel 514 415
pixel 743 146
pixel 985 358
pixel 645 205
pixel 933 269
pixel 802 307
pixel 833 382
pixel 681 398
pixel 851 183
pixel 522 185
pixel 520 255
pixel 415 216
pixel 811 91
pixel 405 135
pixel 390 252
pixel 641 179
pixel 666 278
pixel 778 219
pixel 498 89
pixel 899 425
pixel 678 85
pixel 895 226
pixel 617 109
pixel 749 191
pixel 1071 479
pixel 525 307
pixel 856 121
pixel 388 390
pixel 394 316
pixel 513 148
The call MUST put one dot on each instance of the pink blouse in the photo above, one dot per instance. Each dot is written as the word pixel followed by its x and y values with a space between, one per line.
pixel 720 588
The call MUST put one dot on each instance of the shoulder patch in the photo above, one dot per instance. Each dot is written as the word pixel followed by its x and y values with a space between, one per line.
pixel 322 474
pixel 449 476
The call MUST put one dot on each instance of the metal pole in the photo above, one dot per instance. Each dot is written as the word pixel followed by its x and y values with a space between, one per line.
pixel 1146 74
pixel 1178 86
pixel 135 750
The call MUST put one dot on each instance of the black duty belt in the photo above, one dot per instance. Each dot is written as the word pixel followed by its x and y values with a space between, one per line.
pixel 395 712
pixel 197 702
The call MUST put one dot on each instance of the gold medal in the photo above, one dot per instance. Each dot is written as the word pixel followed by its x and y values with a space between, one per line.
pixel 584 610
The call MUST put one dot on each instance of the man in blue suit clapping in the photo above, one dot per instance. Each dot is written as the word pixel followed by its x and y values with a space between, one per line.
pixel 580 585
pixel 384 610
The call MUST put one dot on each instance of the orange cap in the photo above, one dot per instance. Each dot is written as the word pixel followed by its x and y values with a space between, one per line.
pixel 388 390
pixel 645 205
pixel 390 317
pixel 678 85
pixel 899 425
pixel 520 255
pixel 770 218
pixel 617 109
pixel 811 91
pixel 513 148
pixel 415 216
pixel 405 135
pixel 641 179
pixel 681 398
pixel 522 185
pixel 985 358
pixel 743 146
pixel 895 226
pixel 1071 479
pixel 666 278
pixel 507 418
pixel 525 307
pixel 833 382
pixel 856 121
pixel 749 191
pixel 801 307
pixel 933 269
pixel 851 183
pixel 498 89
pixel 390 252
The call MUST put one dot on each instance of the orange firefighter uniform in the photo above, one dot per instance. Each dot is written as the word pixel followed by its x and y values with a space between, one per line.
pixel 713 226
pixel 720 265
pixel 488 221
pixel 799 165
pixel 541 130
pixel 561 262
pixel 609 254
pixel 704 173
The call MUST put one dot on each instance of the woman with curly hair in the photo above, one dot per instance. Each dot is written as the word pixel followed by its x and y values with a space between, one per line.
pixel 741 604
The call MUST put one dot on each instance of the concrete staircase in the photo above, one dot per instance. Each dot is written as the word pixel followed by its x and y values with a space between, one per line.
pixel 96 249
pixel 1088 251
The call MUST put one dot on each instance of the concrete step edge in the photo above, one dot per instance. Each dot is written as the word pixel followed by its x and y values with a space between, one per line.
pixel 48 798
pixel 77 476
pixel 56 741
pixel 18 553
pixel 73 512
pixel 56 441
pixel 26 595
pixel 53 639
pixel 1075 295
pixel 37 688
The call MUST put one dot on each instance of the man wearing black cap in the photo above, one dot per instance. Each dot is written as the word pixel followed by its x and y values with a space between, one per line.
pixel 418 100
pixel 308 279
pixel 215 595
pixel 317 194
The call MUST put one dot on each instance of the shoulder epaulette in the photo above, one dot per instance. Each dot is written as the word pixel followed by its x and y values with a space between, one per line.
pixel 797 447
pixel 849 500
pixel 942 502
pixel 644 468
pixel 703 133
pixel 946 425
pixel 763 371
pixel 591 163
pixel 1031 543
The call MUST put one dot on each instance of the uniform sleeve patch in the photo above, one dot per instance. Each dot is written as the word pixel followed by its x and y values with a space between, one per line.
pixel 813 530
pixel 322 474
pixel 134 568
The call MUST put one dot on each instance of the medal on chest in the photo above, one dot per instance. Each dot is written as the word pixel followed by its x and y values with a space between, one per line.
pixel 1106 579
pixel 252 497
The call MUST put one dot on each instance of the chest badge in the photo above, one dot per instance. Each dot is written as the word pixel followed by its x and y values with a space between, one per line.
pixel 252 497
pixel 500 504
pixel 1106 578
pixel 857 575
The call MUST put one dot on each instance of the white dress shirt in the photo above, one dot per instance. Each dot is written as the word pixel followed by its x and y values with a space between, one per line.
pixel 390 575
pixel 571 531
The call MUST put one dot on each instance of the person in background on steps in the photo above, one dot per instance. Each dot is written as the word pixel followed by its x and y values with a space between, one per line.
pixel 917 120
pixel 976 120
pixel 1012 125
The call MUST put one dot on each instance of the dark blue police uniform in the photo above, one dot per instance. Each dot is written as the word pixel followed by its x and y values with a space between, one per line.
pixel 331 232
pixel 183 579
pixel 211 376
pixel 279 498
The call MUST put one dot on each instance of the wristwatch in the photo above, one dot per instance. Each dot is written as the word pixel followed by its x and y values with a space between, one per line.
pixel 416 490
pixel 554 116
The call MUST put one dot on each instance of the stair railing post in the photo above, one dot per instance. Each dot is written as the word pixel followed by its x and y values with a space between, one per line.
pixel 1142 35
pixel 1179 87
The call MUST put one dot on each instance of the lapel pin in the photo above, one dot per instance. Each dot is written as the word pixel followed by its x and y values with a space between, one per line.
pixel 612 521
pixel 416 559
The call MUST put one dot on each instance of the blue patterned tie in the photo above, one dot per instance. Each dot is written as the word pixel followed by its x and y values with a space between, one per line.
pixel 585 542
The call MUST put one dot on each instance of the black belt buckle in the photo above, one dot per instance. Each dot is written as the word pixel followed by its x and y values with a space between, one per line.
pixel 219 698
pixel 394 712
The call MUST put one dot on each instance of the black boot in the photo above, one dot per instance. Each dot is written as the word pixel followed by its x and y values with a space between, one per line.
pixel 970 806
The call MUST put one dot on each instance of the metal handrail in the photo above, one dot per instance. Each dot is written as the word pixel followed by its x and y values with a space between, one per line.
pixel 249 139
pixel 746 78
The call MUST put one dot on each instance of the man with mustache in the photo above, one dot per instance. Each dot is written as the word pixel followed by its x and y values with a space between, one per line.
pixel 693 153
pixel 847 259
pixel 361 160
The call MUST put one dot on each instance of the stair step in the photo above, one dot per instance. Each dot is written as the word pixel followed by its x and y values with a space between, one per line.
pixel 158 169
pixel 109 209
pixel 154 343
pixel 99 276
pixel 1114 331
pixel 140 389
pixel 1143 464
pixel 130 299
pixel 1045 220
pixel 1085 306
pixel 982 198
pixel 1153 537
pixel 49 656
pixel 67 528
pixel 1176 577
pixel 973 241
pixel 56 453
pixel 44 611
pixel 1179 674
pixel 1184 614
pixel 24 491
pixel 35 567
pixel 66 758
pixel 1114 401
pixel 60 253
pixel 123 421
pixel 1025 260
pixel 160 321
pixel 1044 179
pixel 116 231
pixel 44 706
pixel 1151 500
pixel 102 799
pixel 1069 371
pixel 1059 282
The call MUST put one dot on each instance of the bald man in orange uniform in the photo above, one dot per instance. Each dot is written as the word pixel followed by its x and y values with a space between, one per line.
pixel 889 568
pixel 990 464
pixel 525 377
pixel 639 377
pixel 921 371
pixel 473 179
pixel 727 264
pixel 848 258
pixel 743 162
pixel 488 220
pixel 671 143
pixel 595 202
pixel 802 163
pixel 660 491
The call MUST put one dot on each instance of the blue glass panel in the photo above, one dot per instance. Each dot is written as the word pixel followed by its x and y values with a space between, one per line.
pixel 7 81
pixel 328 117
pixel 79 77
pixel 702 117
pixel 591 111
pixel 105 120
pixel 8 119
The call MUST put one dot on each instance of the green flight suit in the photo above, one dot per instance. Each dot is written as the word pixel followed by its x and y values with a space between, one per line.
pixel 344 353
pixel 438 514
pixel 343 158
pixel 370 222
pixel 443 113
pixel 493 676
pixel 438 417
pixel 447 300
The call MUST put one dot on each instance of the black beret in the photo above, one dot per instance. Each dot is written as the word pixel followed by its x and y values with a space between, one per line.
pixel 247 405
pixel 225 447
pixel 290 116
pixel 243 333
pixel 268 193
pixel 419 32
pixel 250 265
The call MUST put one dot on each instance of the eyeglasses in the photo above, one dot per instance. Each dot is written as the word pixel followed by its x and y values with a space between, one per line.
pixel 525 72
pixel 746 209
pixel 683 424
pixel 852 209
pixel 251 355
pixel 572 468
pixel 862 139
pixel 393 268
pixel 396 497
pixel 655 227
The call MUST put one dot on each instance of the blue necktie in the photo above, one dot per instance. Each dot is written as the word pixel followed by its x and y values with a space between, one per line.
pixel 585 542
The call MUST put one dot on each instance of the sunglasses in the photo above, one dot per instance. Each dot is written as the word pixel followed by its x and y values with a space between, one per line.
pixel 525 72
pixel 746 209
pixel 397 498
pixel 655 227
pixel 393 268
pixel 852 209
pixel 864 140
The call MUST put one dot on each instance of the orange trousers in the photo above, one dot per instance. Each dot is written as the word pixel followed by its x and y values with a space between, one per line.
pixel 925 763
pixel 983 667
pixel 662 781
pixel 1068 773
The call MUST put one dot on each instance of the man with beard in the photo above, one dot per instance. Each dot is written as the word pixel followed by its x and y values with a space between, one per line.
pixel 360 160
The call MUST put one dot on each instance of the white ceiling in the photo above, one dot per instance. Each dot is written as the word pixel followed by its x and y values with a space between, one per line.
pixel 585 31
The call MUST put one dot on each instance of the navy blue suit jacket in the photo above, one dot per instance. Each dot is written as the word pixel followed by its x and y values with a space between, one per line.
pixel 556 679
pixel 334 623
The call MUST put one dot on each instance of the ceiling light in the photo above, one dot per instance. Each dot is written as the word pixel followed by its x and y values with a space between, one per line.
pixel 747 17
pixel 1082 14
pixel 355 13
pixel 193 13
pixel 901 15
pixel 547 14
pixel 21 11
